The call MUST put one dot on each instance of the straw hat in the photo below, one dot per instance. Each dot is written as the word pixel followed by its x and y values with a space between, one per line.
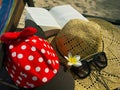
pixel 85 38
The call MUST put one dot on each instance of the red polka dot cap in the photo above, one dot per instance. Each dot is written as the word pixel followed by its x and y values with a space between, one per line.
pixel 31 59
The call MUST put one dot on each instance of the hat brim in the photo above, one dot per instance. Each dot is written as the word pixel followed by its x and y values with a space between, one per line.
pixel 109 76
pixel 40 32
pixel 62 81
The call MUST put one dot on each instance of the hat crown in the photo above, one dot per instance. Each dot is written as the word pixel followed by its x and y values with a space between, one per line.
pixel 80 38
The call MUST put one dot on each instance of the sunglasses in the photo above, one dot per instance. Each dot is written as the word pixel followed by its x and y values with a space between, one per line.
pixel 98 61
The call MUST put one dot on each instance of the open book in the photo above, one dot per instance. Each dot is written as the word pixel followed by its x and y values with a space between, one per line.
pixel 55 18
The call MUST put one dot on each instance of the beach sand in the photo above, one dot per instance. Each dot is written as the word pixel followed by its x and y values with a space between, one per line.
pixel 100 8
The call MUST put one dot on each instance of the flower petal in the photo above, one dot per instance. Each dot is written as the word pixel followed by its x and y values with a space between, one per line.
pixel 66 57
pixel 69 63
pixel 78 64
pixel 77 57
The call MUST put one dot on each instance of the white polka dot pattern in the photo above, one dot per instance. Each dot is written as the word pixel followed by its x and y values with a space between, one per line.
pixel 42 51
pixel 54 71
pixel 20 56
pixel 34 78
pixel 34 41
pixel 13 54
pixel 49 61
pixel 33 48
pixel 44 79
pixel 37 69
pixel 27 67
pixel 40 59
pixel 30 61
pixel 11 46
pixel 20 78
pixel 23 47
pixel 46 70
pixel 30 58
pixel 17 81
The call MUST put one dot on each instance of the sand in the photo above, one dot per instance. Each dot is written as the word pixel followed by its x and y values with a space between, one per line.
pixel 100 8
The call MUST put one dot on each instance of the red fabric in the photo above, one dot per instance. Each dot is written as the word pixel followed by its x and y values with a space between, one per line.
pixel 9 36
pixel 31 60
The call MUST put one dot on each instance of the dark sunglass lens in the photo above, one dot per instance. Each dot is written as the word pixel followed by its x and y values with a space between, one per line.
pixel 82 71
pixel 100 60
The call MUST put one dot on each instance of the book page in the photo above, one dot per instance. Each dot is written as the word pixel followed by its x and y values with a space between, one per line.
pixel 64 13
pixel 41 17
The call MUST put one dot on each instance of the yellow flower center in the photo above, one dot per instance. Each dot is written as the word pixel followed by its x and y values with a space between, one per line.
pixel 72 60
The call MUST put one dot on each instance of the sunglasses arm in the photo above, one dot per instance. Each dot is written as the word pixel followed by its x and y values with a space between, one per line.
pixel 89 57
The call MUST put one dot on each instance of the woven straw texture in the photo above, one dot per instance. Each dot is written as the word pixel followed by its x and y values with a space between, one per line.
pixel 85 38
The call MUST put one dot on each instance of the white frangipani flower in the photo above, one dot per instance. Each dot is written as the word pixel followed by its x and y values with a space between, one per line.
pixel 73 60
